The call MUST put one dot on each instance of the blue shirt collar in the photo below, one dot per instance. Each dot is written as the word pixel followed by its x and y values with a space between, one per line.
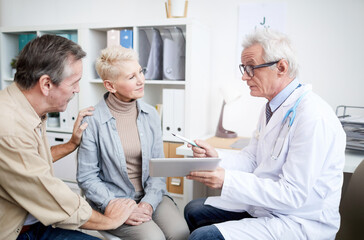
pixel 283 95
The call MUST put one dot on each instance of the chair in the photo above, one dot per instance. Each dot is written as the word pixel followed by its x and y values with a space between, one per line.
pixel 352 207
pixel 109 236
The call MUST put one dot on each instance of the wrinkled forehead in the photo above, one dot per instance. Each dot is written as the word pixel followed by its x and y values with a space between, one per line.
pixel 252 54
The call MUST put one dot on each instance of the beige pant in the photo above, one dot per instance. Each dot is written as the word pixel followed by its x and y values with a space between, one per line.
pixel 166 223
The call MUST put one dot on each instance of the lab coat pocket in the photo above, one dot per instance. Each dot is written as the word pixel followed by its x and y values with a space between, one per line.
pixel 280 141
pixel 277 148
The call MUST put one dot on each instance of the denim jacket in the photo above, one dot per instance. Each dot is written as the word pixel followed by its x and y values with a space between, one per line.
pixel 102 171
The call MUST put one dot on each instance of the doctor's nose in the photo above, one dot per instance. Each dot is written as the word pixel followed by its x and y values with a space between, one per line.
pixel 245 77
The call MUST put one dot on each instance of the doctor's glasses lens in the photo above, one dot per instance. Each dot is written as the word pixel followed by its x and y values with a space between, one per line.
pixel 246 69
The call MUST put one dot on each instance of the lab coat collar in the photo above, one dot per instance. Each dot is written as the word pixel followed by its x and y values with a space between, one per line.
pixel 278 115
pixel 296 94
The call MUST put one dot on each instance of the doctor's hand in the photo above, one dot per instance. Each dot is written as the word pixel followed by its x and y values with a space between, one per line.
pixel 143 213
pixel 212 179
pixel 206 150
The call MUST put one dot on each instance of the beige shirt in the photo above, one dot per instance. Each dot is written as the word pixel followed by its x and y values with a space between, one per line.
pixel 27 182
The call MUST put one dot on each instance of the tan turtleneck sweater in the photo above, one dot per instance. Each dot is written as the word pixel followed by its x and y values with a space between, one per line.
pixel 126 115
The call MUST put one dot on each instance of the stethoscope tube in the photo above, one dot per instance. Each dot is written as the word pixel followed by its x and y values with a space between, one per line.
pixel 278 145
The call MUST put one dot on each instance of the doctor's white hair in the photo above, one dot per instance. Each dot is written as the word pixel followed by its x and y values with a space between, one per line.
pixel 111 59
pixel 276 46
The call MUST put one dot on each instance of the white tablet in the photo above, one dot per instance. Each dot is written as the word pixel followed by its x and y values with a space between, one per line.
pixel 180 167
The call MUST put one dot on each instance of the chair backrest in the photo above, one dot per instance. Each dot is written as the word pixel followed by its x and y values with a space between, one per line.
pixel 352 207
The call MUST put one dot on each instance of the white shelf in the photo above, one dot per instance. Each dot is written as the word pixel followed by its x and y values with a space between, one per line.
pixel 58 129
pixel 151 82
pixel 164 82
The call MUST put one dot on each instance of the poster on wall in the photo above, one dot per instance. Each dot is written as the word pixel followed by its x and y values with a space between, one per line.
pixel 251 16
pixel 259 15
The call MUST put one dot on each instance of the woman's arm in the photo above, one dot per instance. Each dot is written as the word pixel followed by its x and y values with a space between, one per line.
pixel 88 169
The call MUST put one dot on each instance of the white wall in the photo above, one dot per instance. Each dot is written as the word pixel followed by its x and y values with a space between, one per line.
pixel 328 35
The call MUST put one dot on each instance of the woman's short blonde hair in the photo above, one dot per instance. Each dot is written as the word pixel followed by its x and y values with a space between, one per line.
pixel 111 59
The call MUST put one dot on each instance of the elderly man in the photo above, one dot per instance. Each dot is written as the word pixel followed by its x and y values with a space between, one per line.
pixel 286 184
pixel 34 204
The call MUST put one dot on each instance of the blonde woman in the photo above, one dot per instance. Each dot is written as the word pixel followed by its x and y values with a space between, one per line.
pixel 113 158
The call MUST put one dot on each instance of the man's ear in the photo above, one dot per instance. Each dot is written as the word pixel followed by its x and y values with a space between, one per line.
pixel 45 84
pixel 282 66
pixel 108 84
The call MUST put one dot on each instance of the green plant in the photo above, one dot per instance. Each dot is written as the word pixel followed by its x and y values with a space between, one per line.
pixel 13 62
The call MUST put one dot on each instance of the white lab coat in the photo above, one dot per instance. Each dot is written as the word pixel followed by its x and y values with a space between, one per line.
pixel 296 196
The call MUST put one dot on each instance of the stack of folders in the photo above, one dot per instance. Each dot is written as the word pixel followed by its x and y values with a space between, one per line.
pixel 24 39
pixel 122 37
pixel 173 113
pixel 69 36
pixel 353 126
pixel 162 54
pixel 354 129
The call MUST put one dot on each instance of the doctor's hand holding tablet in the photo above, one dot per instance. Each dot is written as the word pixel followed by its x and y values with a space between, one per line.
pixel 191 167
pixel 212 179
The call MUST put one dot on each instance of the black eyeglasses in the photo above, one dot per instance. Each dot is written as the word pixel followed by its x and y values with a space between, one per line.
pixel 250 69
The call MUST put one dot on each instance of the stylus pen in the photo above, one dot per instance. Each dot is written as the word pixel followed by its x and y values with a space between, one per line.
pixel 186 140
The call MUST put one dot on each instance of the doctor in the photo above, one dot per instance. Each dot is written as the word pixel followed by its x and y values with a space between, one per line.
pixel 287 183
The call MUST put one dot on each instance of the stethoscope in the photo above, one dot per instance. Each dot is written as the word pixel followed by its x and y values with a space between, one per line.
pixel 283 133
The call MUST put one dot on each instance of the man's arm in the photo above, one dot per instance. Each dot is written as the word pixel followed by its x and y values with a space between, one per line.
pixel 62 150
pixel 116 213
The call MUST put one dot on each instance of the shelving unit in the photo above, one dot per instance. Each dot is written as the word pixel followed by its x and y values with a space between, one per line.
pixel 93 38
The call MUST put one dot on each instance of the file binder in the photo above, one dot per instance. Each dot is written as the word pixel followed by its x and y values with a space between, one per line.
pixel 173 113
pixel 113 38
pixel 151 53
pixel 122 37
pixel 174 54
pixel 24 39
pixel 68 117
pixel 126 38
pixel 69 36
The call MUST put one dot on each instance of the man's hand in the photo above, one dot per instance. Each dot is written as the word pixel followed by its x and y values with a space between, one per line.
pixel 62 150
pixel 143 213
pixel 78 128
pixel 118 210
pixel 206 150
pixel 213 179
